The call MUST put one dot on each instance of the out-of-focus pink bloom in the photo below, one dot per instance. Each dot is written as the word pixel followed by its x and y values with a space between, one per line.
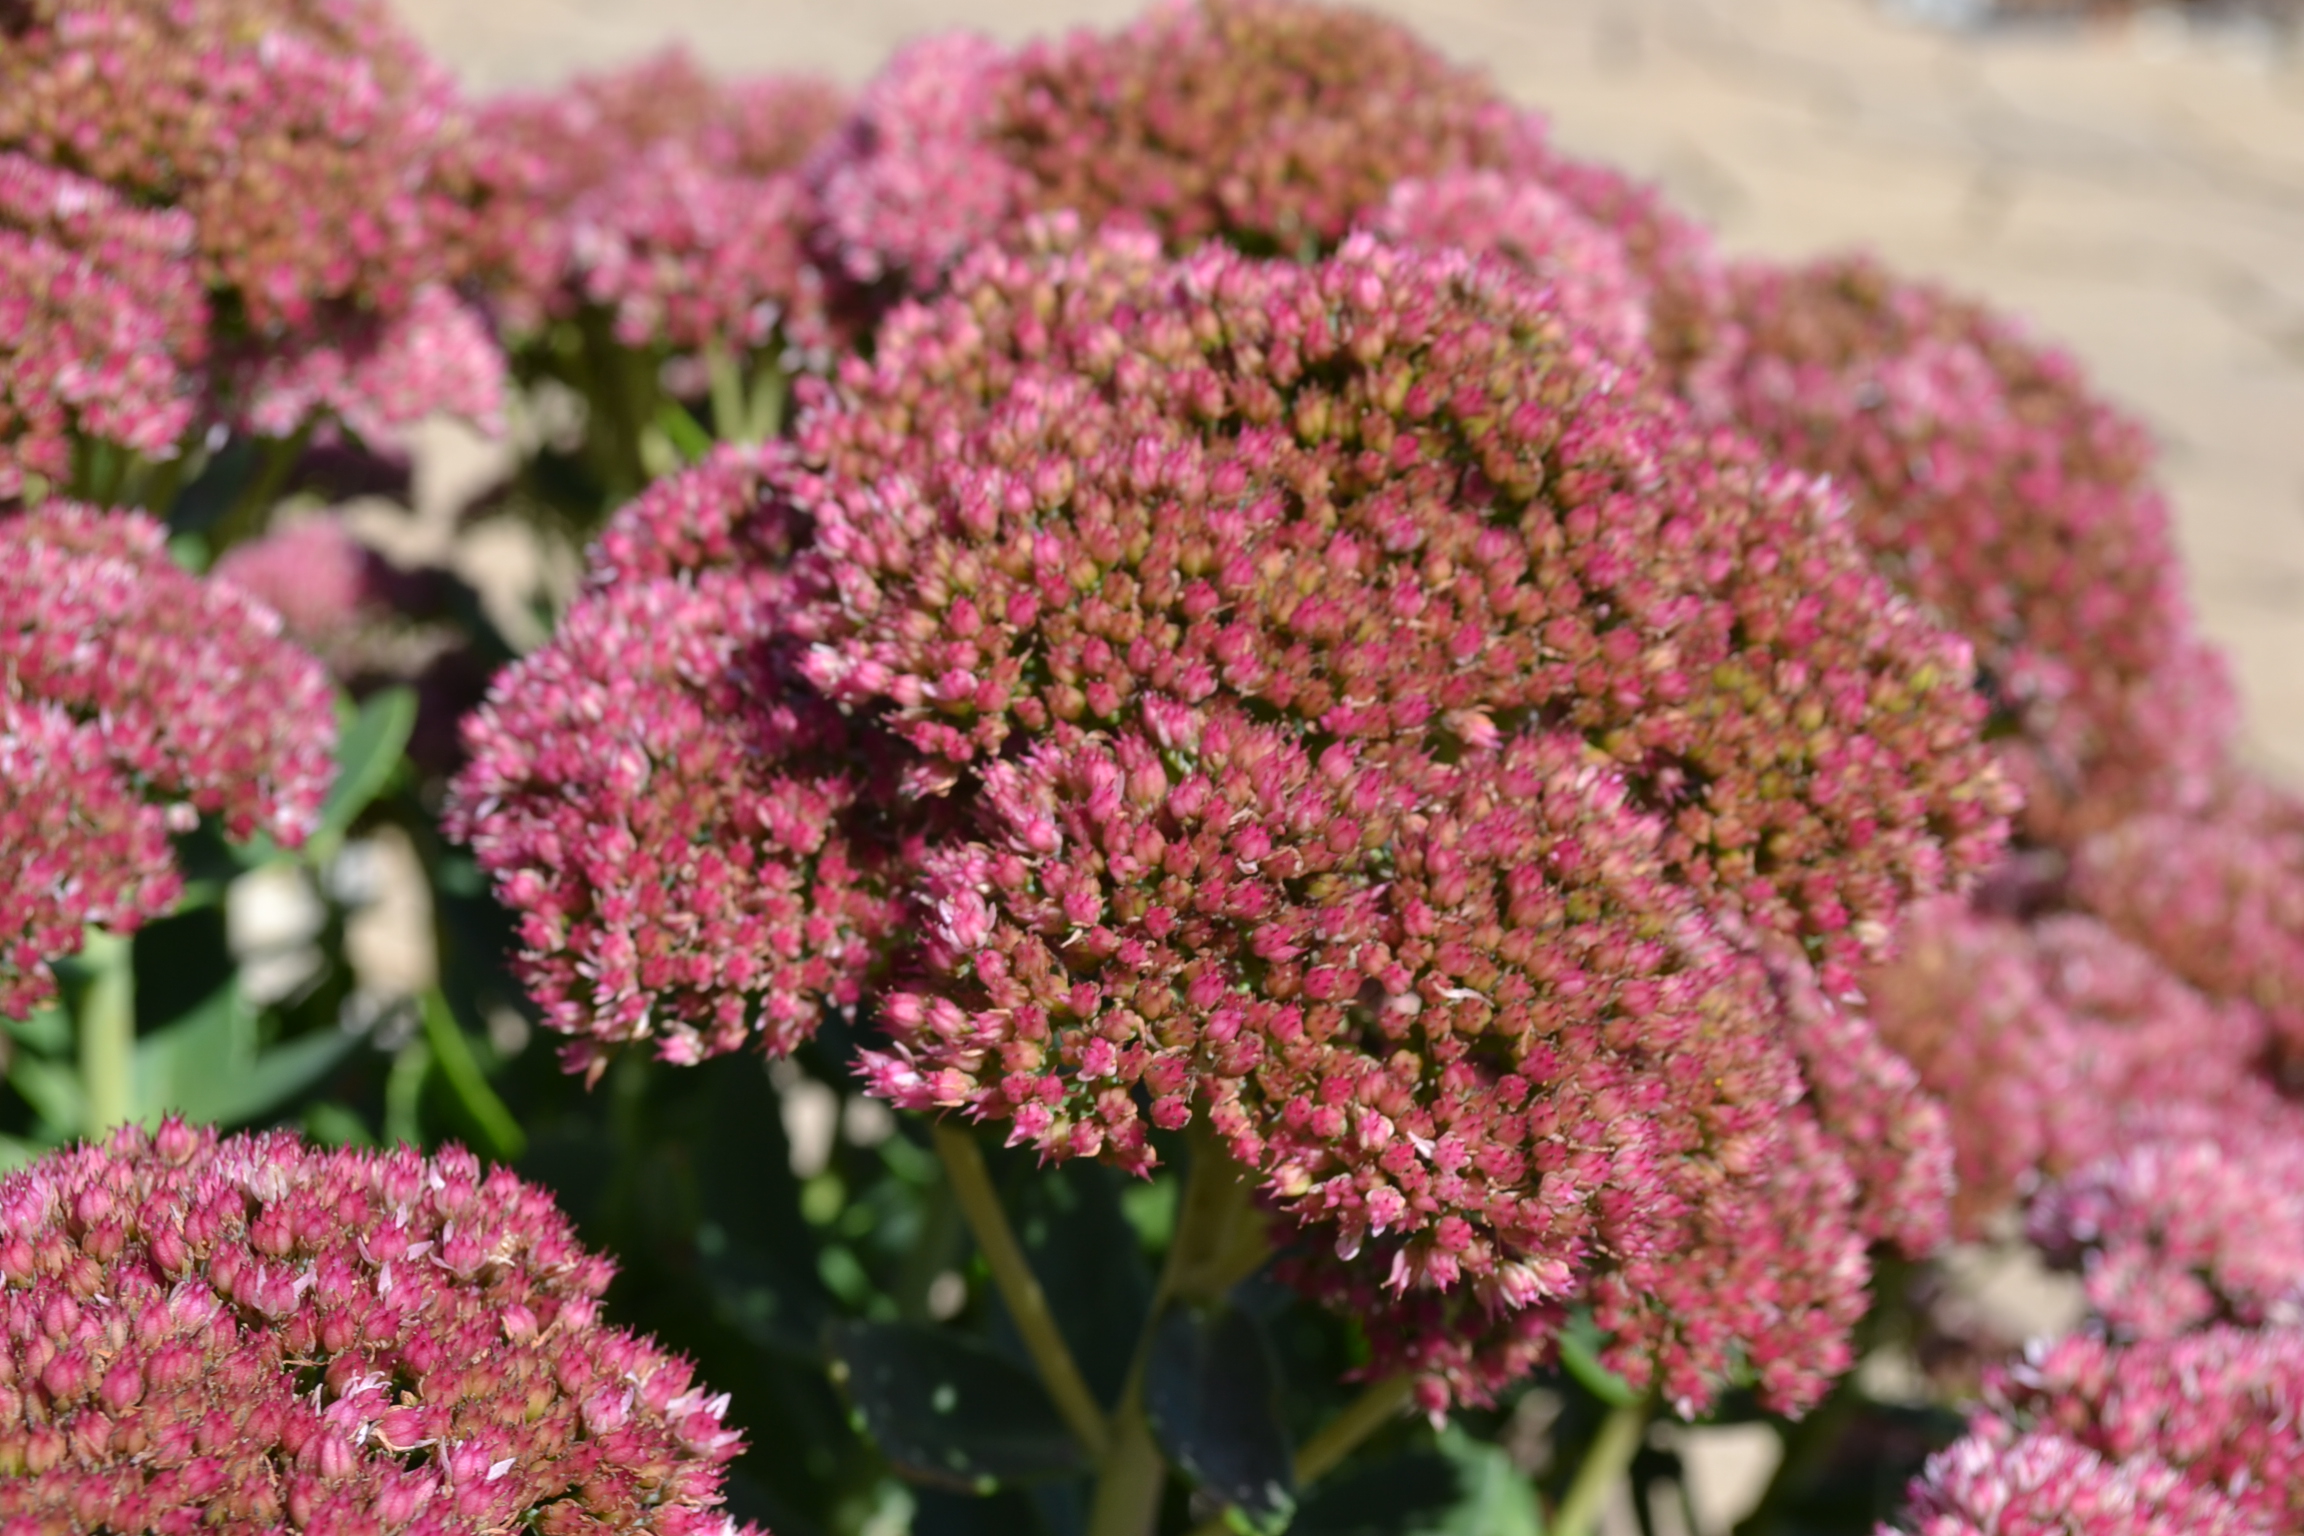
pixel 254 1332
pixel 103 325
pixel 2200 1218
pixel 2046 1039
pixel 668 197
pixel 76 848
pixel 1996 1483
pixel 1993 486
pixel 378 376
pixel 2219 896
pixel 1536 228
pixel 2222 1406
pixel 124 678
pixel 677 824
pixel 301 137
pixel 1271 124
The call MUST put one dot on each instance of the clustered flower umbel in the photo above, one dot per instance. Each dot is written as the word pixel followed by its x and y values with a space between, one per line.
pixel 2045 1039
pixel 2085 1437
pixel 255 1332
pixel 670 200
pixel 1995 488
pixel 103 327
pixel 304 165
pixel 134 681
pixel 1336 700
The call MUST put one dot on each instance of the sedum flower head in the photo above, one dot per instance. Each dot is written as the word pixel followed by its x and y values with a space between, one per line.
pixel 303 138
pixel 2221 1406
pixel 1992 486
pixel 1995 1483
pixel 665 196
pixel 2199 1218
pixel 1270 124
pixel 136 682
pixel 2219 896
pixel 379 375
pixel 1393 499
pixel 2046 1039
pixel 259 1333
pixel 680 826
pixel 102 327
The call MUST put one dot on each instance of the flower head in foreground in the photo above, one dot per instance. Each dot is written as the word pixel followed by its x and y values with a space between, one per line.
pixel 1393 500
pixel 2045 1040
pixel 684 831
pixel 2223 1407
pixel 1994 1483
pixel 133 681
pixel 2199 1219
pixel 1270 124
pixel 2219 896
pixel 103 328
pixel 667 197
pixel 301 138
pixel 1994 488
pixel 256 1332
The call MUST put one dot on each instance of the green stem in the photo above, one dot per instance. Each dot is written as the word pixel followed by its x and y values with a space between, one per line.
pixel 465 1079
pixel 404 1094
pixel 1019 1287
pixel 1604 1467
pixel 107 1028
pixel 251 511
pixel 1220 1240
pixel 768 393
pixel 729 416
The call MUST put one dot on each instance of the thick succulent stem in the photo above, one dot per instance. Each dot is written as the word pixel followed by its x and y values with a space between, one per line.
pixel 106 1021
pixel 1020 1288
pixel 1604 1467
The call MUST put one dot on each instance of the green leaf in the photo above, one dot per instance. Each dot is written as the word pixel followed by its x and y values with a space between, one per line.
pixel 366 754
pixel 53 1091
pixel 684 431
pixel 461 1068
pixel 949 1411
pixel 1580 1345
pixel 1212 1395
pixel 755 1251
pixel 1457 1487
pixel 1068 1218
pixel 206 1065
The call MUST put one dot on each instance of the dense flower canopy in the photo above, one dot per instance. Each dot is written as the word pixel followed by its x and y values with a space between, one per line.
pixel 2043 1484
pixel 253 1331
pixel 1994 487
pixel 668 198
pixel 304 138
pixel 103 327
pixel 2043 1038
pixel 135 681
pixel 1336 700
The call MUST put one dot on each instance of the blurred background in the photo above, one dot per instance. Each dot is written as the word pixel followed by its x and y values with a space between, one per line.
pixel 2130 179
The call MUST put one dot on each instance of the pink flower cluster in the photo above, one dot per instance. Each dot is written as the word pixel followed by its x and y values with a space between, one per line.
pixel 1332 699
pixel 378 375
pixel 1992 486
pixel 253 1332
pixel 2042 1484
pixel 670 200
pixel 667 810
pixel 133 680
pixel 2199 1218
pixel 2221 1406
pixel 299 136
pixel 2045 1039
pixel 1271 124
pixel 2218 896
pixel 103 326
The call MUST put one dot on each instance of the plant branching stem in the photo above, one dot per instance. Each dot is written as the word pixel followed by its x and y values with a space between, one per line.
pixel 1020 1288
pixel 107 1031
pixel 1338 1438
pixel 1604 1467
